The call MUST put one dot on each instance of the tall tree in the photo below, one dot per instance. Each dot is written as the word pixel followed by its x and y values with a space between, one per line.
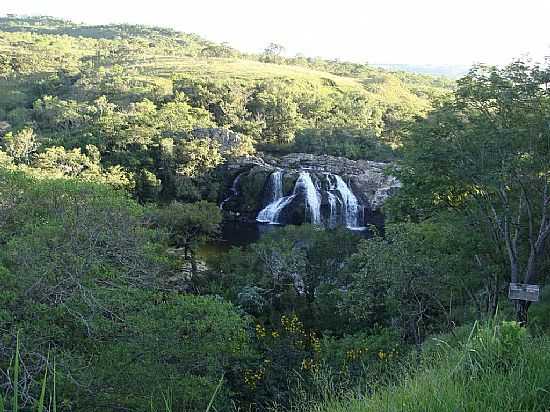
pixel 488 152
pixel 189 225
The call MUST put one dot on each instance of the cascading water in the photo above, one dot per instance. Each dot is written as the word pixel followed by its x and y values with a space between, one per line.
pixel 276 182
pixel 350 204
pixel 270 213
pixel 333 200
pixel 234 189
pixel 333 203
pixel 313 198
pixel 304 185
pixel 344 207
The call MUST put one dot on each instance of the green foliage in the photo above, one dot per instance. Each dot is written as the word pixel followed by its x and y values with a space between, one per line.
pixel 169 342
pixel 486 154
pixel 190 223
pixel 296 270
pixel 20 146
pixel 197 156
pixel 226 101
pixel 364 358
pixel 58 162
pixel 494 347
pixel 415 278
pixel 87 274
pixel 350 143
pixel 126 89
pixel 82 275
pixel 436 386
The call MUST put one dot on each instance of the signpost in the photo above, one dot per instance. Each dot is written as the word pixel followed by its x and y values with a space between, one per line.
pixel 522 291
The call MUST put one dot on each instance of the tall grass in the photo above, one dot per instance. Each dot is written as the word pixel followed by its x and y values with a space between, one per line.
pixel 497 368
pixel 167 400
pixel 14 371
pixel 42 404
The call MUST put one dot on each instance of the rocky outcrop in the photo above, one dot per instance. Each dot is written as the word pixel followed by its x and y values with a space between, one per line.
pixel 367 180
pixel 4 127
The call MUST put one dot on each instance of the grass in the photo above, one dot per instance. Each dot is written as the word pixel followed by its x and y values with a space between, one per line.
pixel 490 372
pixel 235 68
pixel 41 404
pixel 44 404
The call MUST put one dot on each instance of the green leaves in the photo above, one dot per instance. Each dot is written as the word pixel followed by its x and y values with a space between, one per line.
pixel 190 223
pixel 21 146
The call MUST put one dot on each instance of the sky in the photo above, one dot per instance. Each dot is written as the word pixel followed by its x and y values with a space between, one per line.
pixel 437 32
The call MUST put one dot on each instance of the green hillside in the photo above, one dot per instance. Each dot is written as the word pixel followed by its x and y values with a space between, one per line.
pixel 123 89
pixel 41 45
pixel 185 227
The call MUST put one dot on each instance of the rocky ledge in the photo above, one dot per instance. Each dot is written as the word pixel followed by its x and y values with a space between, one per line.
pixel 367 179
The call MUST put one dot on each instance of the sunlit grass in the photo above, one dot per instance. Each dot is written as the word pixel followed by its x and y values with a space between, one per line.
pixel 451 382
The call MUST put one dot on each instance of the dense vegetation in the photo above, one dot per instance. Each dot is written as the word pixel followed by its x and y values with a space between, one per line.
pixel 109 174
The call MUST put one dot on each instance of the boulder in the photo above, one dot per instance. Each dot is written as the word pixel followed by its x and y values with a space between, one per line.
pixel 4 127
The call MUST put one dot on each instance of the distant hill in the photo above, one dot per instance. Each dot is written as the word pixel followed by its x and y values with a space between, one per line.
pixel 451 71
pixel 162 51
pixel 267 96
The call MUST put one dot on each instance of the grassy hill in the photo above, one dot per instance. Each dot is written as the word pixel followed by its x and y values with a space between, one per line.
pixel 158 83
pixel 45 44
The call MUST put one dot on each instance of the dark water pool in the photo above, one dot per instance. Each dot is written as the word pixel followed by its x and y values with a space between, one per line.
pixel 238 233
pixel 235 233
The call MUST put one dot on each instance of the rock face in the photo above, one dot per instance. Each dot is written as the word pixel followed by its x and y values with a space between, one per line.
pixel 299 187
pixel 4 127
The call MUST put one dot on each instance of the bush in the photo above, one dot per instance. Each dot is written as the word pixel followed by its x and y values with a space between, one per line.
pixel 81 277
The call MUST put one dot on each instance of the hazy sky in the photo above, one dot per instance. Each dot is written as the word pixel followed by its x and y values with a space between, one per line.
pixel 381 31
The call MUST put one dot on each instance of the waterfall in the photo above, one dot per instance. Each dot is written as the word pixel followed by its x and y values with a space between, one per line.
pixel 313 198
pixel 333 203
pixel 270 214
pixel 351 209
pixel 276 182
pixel 234 190
pixel 277 200
pixel 344 206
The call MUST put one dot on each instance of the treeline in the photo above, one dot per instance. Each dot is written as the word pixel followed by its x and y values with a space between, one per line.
pixel 98 98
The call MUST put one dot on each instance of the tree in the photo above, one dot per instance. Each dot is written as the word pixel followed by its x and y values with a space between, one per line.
pixel 71 163
pixel 275 105
pixel 219 50
pixel 5 67
pixel 226 100
pixel 177 117
pixel 487 153
pixel 273 51
pixel 197 156
pixel 59 162
pixel 21 146
pixel 189 225
pixel 81 278
pixel 58 114
pixel 415 278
